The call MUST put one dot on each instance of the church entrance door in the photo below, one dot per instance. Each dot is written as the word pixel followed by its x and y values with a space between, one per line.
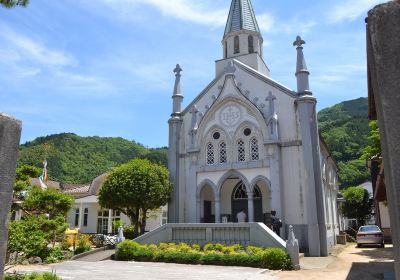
pixel 239 202
pixel 207 212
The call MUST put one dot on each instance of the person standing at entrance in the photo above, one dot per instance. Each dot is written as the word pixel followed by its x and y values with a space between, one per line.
pixel 241 216
pixel 276 223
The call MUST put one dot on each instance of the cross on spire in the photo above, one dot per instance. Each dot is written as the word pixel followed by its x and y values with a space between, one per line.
pixel 299 42
pixel 178 70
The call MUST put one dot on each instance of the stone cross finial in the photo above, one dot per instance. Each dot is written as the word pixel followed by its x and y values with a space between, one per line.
pixel 299 42
pixel 271 98
pixel 178 70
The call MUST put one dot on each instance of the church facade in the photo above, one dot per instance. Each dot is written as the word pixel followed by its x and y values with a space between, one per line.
pixel 247 142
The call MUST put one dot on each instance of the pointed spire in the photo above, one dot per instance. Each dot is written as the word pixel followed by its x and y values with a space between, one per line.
pixel 303 86
pixel 177 96
pixel 241 17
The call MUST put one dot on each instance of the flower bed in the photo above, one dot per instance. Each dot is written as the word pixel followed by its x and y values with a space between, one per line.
pixel 212 254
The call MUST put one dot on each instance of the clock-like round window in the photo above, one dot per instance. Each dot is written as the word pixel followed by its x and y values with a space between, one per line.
pixel 216 135
pixel 247 131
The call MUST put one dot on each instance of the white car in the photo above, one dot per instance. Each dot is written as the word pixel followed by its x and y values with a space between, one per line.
pixel 370 235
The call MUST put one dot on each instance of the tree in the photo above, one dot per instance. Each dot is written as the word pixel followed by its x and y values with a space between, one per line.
pixel 14 3
pixel 135 188
pixel 357 204
pixel 50 201
pixel 374 142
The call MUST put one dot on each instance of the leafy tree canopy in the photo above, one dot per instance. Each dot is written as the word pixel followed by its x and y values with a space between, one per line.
pixel 374 142
pixel 14 3
pixel 75 159
pixel 49 201
pixel 134 187
pixel 344 127
pixel 357 204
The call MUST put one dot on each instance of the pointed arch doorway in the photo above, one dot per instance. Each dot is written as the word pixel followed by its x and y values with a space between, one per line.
pixel 239 201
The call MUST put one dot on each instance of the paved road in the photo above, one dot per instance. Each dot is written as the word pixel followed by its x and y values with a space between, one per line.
pixel 366 263
pixel 110 270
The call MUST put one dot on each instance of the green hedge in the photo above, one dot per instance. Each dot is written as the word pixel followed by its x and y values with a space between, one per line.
pixel 212 254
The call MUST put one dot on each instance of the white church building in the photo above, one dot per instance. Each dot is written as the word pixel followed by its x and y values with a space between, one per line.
pixel 248 142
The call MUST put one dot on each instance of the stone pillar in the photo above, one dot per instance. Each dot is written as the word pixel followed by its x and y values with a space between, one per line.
pixel 250 206
pixel 292 247
pixel 175 126
pixel 217 210
pixel 109 224
pixel 10 133
pixel 198 210
pixel 317 234
pixel 383 38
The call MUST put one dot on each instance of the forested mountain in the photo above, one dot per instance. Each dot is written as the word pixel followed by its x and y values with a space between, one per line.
pixel 345 129
pixel 75 159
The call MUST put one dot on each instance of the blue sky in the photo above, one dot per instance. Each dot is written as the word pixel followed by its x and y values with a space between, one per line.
pixel 105 67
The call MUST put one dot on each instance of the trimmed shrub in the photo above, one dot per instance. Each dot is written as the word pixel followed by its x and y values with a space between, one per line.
pixel 126 250
pixel 213 254
pixel 275 258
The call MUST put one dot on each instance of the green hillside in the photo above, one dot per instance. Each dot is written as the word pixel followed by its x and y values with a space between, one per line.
pixel 344 127
pixel 75 159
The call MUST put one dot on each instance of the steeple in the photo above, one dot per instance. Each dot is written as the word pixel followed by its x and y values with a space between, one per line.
pixel 242 37
pixel 241 17
pixel 177 97
pixel 303 86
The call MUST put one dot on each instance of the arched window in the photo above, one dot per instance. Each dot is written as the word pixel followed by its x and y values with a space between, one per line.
pixel 226 50
pixel 251 44
pixel 254 149
pixel 240 192
pixel 241 151
pixel 222 152
pixel 210 153
pixel 236 45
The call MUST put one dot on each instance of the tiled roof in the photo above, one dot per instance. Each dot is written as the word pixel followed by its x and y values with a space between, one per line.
pixel 241 17
pixel 80 189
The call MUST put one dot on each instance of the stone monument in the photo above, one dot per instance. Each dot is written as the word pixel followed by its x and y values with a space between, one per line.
pixel 383 41
pixel 10 133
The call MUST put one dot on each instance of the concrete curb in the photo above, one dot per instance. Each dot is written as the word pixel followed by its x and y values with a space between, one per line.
pixel 84 254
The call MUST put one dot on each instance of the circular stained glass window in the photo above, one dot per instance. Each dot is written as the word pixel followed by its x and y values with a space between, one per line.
pixel 247 131
pixel 216 135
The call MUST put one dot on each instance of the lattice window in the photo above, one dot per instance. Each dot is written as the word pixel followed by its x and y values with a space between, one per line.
pixel 251 44
pixel 236 44
pixel 241 151
pixel 254 149
pixel 222 152
pixel 210 153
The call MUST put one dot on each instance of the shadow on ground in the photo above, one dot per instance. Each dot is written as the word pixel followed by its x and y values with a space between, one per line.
pixel 381 254
pixel 371 270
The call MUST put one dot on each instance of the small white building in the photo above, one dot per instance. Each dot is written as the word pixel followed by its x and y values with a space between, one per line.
pixel 248 142
pixel 87 215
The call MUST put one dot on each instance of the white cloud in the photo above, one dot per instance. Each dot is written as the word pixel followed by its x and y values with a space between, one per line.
pixel 266 22
pixel 350 10
pixel 339 73
pixel 188 10
pixel 35 51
